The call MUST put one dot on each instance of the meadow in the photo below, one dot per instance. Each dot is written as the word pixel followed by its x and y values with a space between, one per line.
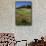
pixel 23 16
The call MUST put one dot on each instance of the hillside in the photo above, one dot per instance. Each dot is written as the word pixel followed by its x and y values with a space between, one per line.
pixel 24 6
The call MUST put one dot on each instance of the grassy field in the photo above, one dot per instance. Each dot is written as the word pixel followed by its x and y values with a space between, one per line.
pixel 23 16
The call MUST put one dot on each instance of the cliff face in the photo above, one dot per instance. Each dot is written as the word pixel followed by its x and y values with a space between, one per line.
pixel 6 15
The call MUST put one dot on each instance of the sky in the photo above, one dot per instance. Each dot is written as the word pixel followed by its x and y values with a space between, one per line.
pixel 20 3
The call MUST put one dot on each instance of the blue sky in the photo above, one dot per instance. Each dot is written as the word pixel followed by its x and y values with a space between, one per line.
pixel 20 3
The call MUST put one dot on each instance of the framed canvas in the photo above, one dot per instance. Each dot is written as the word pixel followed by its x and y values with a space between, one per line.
pixel 23 13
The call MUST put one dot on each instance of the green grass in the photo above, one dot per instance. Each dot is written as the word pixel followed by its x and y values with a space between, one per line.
pixel 23 17
pixel 23 12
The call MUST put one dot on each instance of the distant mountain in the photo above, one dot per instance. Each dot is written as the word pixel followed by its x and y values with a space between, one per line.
pixel 24 6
